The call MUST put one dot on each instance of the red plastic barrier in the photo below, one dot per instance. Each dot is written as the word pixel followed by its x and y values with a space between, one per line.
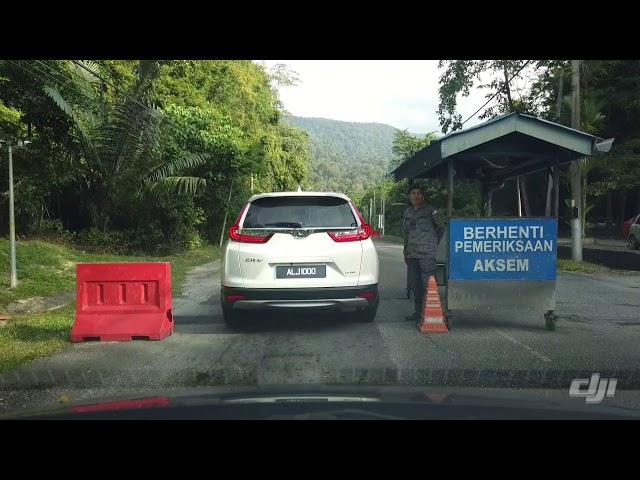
pixel 123 301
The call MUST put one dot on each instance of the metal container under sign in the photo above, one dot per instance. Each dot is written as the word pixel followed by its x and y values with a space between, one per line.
pixel 502 262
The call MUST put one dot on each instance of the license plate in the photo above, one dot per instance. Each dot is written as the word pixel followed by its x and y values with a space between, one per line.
pixel 301 271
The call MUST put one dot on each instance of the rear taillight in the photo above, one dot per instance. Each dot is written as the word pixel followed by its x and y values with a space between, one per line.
pixel 236 236
pixel 361 233
pixel 369 296
pixel 234 298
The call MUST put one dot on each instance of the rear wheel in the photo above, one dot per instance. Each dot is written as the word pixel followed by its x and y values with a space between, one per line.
pixel 232 318
pixel 634 244
pixel 550 320
pixel 367 315
pixel 447 320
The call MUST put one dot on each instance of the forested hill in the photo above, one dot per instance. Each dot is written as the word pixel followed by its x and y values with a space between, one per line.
pixel 346 156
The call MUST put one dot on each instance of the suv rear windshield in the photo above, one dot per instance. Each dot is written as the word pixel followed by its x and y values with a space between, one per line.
pixel 297 212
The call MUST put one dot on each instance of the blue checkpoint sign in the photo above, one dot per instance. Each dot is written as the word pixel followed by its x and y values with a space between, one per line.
pixel 503 249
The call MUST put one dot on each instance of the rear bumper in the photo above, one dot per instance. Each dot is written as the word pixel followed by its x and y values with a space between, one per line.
pixel 339 298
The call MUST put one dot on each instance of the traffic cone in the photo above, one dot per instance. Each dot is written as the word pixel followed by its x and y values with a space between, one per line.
pixel 432 315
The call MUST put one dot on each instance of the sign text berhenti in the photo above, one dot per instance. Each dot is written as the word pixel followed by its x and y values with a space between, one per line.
pixel 503 249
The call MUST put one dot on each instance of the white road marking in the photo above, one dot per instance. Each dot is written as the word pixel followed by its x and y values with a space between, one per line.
pixel 542 357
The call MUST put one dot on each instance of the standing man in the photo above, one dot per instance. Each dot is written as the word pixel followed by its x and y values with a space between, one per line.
pixel 421 237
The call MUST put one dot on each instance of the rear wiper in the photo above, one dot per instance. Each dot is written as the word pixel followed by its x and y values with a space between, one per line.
pixel 284 224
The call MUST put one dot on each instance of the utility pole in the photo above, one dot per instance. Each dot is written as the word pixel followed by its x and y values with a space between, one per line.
pixel 12 223
pixel 382 228
pixel 371 211
pixel 12 219
pixel 373 217
pixel 574 169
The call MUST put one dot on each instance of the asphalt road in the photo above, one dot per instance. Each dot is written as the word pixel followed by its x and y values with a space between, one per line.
pixel 598 331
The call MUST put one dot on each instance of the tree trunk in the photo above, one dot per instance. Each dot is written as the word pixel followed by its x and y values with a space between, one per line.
pixel 583 208
pixel 518 197
pixel 525 196
pixel 621 216
pixel 547 205
pixel 98 214
pixel 81 203
pixel 609 209
pixel 41 218
pixel 560 97
pixel 507 87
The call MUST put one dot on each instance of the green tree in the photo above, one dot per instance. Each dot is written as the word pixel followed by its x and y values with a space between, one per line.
pixel 118 137
pixel 346 156
pixel 406 144
pixel 130 144
pixel 11 125
pixel 460 76
pixel 233 126
pixel 240 89
pixel 287 155
pixel 613 87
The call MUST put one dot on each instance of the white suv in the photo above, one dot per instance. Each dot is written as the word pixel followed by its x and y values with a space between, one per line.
pixel 299 250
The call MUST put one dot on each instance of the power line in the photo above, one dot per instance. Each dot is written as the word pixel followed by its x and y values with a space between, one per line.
pixel 42 74
pixel 165 117
pixel 495 94
pixel 44 69
pixel 105 81
pixel 84 67
pixel 63 78
pixel 125 94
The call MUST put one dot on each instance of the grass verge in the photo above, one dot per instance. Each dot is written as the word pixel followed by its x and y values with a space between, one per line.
pixel 46 269
pixel 26 338
pixel 567 265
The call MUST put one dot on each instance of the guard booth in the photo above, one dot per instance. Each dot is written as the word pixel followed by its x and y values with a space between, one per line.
pixel 488 262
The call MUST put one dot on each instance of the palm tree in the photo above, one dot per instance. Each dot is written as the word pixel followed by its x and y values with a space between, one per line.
pixel 118 136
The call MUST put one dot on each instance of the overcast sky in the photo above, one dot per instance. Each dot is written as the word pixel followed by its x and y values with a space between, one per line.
pixel 401 93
